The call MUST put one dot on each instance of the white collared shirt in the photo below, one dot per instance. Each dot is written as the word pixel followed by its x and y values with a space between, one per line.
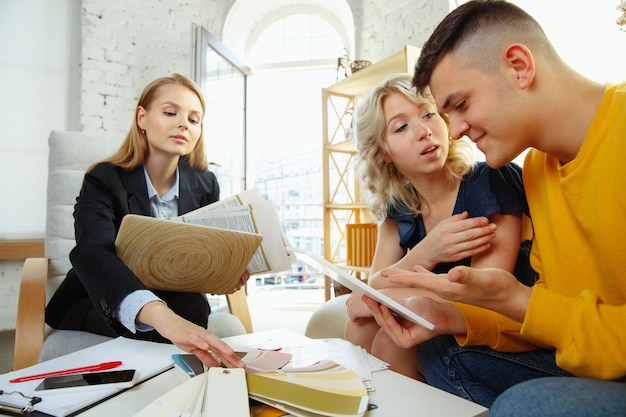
pixel 162 208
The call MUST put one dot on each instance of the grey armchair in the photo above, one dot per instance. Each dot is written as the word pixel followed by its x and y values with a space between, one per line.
pixel 70 154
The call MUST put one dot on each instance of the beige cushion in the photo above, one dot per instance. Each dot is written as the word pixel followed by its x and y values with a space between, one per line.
pixel 329 320
pixel 70 154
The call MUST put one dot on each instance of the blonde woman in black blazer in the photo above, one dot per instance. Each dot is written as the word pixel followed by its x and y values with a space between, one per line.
pixel 160 170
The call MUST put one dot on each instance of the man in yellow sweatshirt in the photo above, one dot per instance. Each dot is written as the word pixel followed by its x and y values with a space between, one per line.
pixel 492 70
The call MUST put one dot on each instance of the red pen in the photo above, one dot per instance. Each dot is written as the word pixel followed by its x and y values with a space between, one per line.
pixel 83 369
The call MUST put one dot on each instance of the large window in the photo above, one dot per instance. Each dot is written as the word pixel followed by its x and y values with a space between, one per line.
pixel 298 38
pixel 292 59
pixel 223 80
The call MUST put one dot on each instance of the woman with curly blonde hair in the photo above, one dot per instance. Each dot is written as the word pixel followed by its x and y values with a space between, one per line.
pixel 436 206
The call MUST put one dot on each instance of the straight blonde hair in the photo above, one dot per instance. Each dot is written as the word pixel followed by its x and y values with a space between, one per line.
pixel 133 151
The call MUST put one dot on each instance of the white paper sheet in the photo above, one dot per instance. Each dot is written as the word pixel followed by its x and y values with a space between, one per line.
pixel 147 358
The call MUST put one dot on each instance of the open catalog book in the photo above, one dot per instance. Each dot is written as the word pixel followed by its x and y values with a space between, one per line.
pixel 205 250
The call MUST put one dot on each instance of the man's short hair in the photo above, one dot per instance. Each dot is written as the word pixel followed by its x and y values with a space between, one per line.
pixel 473 17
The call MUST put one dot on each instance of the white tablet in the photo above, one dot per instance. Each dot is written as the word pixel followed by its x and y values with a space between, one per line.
pixel 356 285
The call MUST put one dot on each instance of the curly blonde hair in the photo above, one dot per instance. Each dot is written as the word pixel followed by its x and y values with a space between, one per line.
pixel 387 187
pixel 133 151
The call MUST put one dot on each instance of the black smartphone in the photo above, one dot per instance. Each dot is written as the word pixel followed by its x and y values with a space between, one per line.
pixel 110 379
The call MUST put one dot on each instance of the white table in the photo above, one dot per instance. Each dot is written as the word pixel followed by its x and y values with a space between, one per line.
pixel 395 395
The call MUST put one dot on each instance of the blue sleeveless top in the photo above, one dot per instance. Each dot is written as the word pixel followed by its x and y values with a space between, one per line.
pixel 483 192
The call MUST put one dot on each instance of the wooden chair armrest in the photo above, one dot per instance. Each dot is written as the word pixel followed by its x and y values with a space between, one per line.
pixel 31 305
pixel 238 306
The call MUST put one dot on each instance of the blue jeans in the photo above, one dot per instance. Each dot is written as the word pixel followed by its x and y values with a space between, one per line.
pixel 562 397
pixel 478 373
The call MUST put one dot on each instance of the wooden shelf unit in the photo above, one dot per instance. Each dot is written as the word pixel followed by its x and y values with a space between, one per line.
pixel 342 191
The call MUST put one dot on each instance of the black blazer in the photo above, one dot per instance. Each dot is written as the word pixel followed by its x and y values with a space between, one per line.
pixel 99 280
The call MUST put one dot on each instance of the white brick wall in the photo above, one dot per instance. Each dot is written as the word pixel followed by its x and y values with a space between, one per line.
pixel 10 273
pixel 126 44
pixel 387 25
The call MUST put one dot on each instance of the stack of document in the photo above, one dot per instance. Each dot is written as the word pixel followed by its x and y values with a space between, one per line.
pixel 147 358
